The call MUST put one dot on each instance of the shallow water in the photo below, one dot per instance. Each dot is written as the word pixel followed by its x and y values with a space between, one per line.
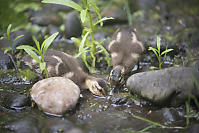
pixel 114 114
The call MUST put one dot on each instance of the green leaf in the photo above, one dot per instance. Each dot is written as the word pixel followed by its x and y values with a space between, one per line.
pixel 27 47
pixel 8 30
pixel 76 40
pixel 47 42
pixel 103 19
pixel 69 3
pixel 108 59
pixel 155 51
pixel 3 37
pixel 83 15
pixel 158 42
pixel 96 10
pixel 18 37
pixel 37 44
pixel 166 51
pixel 83 41
pixel 42 65
pixel 6 50
pixel 33 55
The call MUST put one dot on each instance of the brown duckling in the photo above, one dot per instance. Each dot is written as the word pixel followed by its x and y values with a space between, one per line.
pixel 125 50
pixel 61 64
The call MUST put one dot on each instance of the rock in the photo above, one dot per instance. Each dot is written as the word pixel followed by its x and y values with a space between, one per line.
pixel 119 99
pixel 117 13
pixel 25 40
pixel 73 27
pixel 23 126
pixel 5 62
pixel 194 128
pixel 56 125
pixel 168 116
pixel 19 102
pixel 162 86
pixel 44 17
pixel 15 101
pixel 55 95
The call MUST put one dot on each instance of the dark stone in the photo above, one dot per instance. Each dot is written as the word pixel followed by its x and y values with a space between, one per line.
pixel 73 27
pixel 171 85
pixel 5 62
pixel 20 101
pixel 168 116
pixel 117 13
pixel 118 99
pixel 44 17
pixel 16 101
pixel 25 40
pixel 23 126
pixel 194 128
pixel 57 125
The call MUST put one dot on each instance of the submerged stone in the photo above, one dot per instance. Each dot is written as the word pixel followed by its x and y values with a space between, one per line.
pixel 171 85
pixel 55 95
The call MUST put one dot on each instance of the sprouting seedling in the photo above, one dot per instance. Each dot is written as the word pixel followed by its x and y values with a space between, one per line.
pixel 11 42
pixel 87 48
pixel 39 53
pixel 158 53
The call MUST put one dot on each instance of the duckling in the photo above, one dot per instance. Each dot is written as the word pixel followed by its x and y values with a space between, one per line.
pixel 125 50
pixel 61 64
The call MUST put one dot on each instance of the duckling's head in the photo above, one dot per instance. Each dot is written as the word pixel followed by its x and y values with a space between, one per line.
pixel 97 86
pixel 116 76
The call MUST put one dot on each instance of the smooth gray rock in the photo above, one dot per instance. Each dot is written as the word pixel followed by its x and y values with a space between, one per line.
pixel 167 85
pixel 5 62
pixel 73 27
pixel 55 95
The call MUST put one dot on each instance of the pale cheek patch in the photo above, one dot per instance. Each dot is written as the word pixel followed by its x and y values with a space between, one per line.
pixel 141 45
pixel 111 44
pixel 113 55
pixel 34 62
pixel 135 56
pixel 69 75
pixel 49 69
pixel 119 35
pixel 133 38
pixel 57 65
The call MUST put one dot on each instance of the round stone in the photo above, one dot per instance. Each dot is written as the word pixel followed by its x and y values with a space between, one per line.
pixel 55 95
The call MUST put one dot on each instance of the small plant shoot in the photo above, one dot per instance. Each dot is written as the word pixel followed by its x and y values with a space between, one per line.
pixel 87 48
pixel 39 53
pixel 158 53
pixel 11 42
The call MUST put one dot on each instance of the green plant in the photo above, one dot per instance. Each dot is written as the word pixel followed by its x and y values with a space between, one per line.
pixel 40 51
pixel 87 48
pixel 158 52
pixel 11 42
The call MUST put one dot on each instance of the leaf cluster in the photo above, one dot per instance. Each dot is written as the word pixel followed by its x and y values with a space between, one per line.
pixel 39 53
pixel 11 42
pixel 87 48
pixel 158 53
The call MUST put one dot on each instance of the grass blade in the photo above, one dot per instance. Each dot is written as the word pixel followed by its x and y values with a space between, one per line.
pixel 18 37
pixel 33 55
pixel 69 3
pixel 8 31
pixel 166 51
pixel 27 47
pixel 48 42
pixel 83 14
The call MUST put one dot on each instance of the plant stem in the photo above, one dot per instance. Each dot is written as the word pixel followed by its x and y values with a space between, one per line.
pixel 128 12
pixel 93 50
pixel 45 69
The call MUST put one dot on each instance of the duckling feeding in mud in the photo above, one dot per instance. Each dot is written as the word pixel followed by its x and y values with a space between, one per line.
pixel 125 50
pixel 61 64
